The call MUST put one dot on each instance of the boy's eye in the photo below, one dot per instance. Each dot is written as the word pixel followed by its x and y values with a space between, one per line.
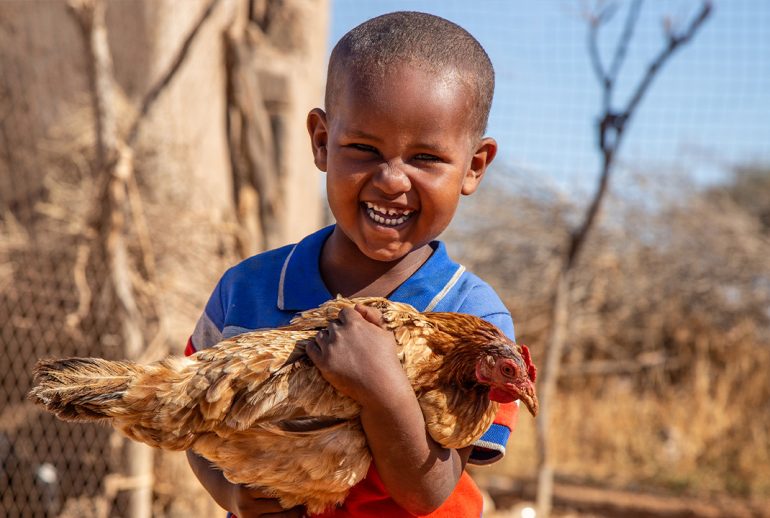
pixel 427 157
pixel 363 147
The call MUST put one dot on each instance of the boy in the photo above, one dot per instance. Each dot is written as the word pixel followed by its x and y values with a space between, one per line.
pixel 407 100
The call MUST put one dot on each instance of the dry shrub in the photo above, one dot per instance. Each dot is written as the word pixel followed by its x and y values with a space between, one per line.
pixel 664 382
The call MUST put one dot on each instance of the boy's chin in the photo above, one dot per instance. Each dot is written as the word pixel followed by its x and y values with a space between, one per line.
pixel 386 256
pixel 391 255
pixel 379 248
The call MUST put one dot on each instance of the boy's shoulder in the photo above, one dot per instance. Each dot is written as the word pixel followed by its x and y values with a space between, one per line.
pixel 444 285
pixel 266 289
pixel 262 263
pixel 251 294
pixel 279 263
pixel 477 295
pixel 457 289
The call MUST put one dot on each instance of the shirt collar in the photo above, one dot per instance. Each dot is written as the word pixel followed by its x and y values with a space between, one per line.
pixel 301 287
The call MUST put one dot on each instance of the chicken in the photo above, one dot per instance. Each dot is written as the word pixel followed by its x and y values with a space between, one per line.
pixel 257 408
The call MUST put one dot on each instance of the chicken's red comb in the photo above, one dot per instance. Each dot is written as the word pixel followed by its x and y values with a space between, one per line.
pixel 531 369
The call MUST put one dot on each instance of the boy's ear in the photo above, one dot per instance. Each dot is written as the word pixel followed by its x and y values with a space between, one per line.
pixel 485 152
pixel 316 127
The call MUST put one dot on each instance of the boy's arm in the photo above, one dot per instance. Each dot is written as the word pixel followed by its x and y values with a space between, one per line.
pixel 418 472
pixel 237 499
pixel 359 359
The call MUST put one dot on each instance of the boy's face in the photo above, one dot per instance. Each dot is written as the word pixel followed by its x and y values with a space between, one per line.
pixel 398 154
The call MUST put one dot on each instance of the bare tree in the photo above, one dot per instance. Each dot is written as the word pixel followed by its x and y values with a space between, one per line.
pixel 610 131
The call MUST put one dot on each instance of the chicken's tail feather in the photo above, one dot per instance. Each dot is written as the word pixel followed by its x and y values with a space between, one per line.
pixel 82 389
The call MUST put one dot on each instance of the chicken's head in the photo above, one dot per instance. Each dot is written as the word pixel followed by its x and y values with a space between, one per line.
pixel 510 375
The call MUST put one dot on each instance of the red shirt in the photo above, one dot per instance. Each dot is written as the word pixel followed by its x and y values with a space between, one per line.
pixel 369 498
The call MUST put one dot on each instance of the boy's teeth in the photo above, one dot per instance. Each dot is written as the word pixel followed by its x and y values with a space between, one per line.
pixel 387 216
pixel 388 211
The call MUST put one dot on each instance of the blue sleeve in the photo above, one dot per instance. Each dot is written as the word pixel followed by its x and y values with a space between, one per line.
pixel 483 302
pixel 208 329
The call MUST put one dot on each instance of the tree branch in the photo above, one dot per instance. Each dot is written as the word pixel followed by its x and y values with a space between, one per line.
pixel 596 61
pixel 612 125
pixel 674 42
pixel 625 39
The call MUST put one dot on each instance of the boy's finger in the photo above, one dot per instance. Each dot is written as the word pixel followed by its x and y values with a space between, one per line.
pixel 294 512
pixel 314 348
pixel 269 505
pixel 322 336
pixel 256 494
pixel 346 314
pixel 371 314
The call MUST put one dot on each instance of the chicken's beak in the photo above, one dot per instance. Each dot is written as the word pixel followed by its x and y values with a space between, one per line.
pixel 529 398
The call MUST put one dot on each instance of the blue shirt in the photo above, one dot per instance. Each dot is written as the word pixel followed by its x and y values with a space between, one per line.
pixel 267 290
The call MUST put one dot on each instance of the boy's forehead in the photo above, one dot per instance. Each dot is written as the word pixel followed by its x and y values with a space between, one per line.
pixel 361 83
pixel 397 78
pixel 438 102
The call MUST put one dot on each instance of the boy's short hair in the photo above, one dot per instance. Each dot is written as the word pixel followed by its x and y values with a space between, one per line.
pixel 418 38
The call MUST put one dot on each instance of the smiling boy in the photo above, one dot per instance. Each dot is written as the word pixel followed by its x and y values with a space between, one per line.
pixel 401 139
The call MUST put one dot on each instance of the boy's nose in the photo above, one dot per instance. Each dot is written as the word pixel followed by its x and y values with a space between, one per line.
pixel 392 179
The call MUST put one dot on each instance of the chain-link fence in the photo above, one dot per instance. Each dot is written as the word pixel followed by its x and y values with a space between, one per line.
pixel 53 302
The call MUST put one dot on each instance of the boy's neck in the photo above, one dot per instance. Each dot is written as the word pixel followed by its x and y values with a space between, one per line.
pixel 348 272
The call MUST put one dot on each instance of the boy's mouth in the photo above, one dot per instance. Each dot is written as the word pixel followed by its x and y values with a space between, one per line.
pixel 387 216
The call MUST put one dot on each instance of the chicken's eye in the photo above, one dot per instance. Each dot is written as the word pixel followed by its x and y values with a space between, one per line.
pixel 508 370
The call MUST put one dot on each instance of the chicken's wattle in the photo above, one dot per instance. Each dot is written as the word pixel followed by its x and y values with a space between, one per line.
pixel 501 395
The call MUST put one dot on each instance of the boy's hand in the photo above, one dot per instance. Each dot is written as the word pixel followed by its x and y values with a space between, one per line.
pixel 239 500
pixel 357 356
pixel 252 503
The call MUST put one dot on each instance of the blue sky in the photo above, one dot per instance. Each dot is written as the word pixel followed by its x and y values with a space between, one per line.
pixel 708 109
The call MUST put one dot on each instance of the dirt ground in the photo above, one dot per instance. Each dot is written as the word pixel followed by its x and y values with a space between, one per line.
pixel 509 497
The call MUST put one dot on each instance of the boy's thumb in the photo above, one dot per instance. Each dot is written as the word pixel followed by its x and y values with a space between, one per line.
pixel 370 314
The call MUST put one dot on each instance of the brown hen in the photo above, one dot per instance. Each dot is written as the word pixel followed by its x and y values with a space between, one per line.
pixel 257 408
